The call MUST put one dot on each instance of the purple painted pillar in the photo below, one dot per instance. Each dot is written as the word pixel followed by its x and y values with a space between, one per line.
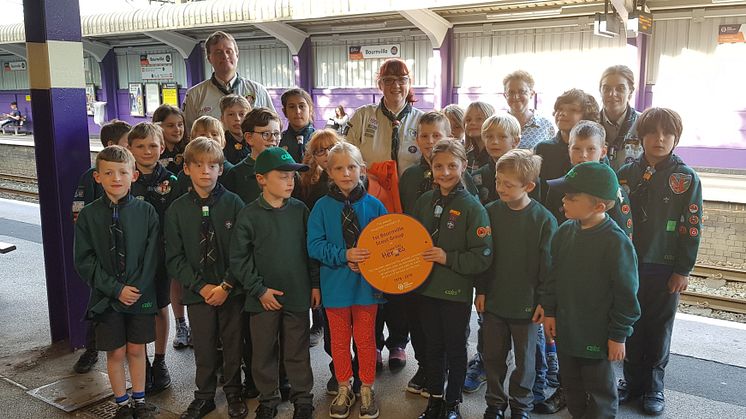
pixel 195 66
pixel 62 152
pixel 641 99
pixel 446 70
pixel 303 63
pixel 110 84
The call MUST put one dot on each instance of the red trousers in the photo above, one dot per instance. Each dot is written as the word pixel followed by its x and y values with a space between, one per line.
pixel 360 322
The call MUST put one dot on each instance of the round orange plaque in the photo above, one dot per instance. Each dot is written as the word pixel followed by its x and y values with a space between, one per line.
pixel 396 243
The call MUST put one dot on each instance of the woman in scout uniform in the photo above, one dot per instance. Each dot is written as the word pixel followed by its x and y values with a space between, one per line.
pixel 388 130
pixel 617 85
pixel 460 229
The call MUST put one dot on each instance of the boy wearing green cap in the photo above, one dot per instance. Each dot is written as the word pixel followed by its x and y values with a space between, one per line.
pixel 198 229
pixel 589 298
pixel 281 286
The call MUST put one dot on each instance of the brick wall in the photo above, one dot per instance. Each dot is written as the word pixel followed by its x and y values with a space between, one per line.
pixel 19 160
pixel 723 235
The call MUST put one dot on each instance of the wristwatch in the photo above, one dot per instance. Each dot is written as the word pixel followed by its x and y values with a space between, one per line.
pixel 226 286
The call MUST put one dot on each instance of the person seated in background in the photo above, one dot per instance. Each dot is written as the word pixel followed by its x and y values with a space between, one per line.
pixel 339 122
pixel 14 117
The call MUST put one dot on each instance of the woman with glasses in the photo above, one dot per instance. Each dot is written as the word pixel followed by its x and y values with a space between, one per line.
pixel 617 116
pixel 387 130
pixel 519 93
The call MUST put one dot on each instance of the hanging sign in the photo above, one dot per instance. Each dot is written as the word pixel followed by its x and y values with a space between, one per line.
pixel 170 94
pixel 14 66
pixel 156 66
pixel 729 34
pixel 374 51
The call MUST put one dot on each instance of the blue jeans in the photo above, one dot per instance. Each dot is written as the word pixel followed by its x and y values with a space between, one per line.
pixel 540 383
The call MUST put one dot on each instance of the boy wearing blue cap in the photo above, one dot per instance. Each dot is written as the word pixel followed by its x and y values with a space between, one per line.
pixel 281 286
pixel 589 298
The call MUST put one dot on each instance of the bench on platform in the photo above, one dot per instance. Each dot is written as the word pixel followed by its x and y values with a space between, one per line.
pixel 6 247
pixel 18 128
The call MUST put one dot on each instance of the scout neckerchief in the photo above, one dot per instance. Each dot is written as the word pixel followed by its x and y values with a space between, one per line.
pixel 640 191
pixel 427 178
pixel 395 126
pixel 116 239
pixel 350 224
pixel 207 243
pixel 152 182
pixel 231 89
pixel 617 143
pixel 299 138
pixel 439 204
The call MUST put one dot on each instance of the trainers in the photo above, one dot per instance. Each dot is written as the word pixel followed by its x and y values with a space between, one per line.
pixel 552 370
pixel 317 333
pixel 160 377
pixel 182 338
pixel 340 407
pixel 124 412
pixel 198 408
pixel 368 405
pixel 86 361
pixel 379 361
pixel 303 411
pixel 397 359
pixel 553 404
pixel 264 411
pixel 145 410
pixel 417 383
pixel 332 386
pixel 476 377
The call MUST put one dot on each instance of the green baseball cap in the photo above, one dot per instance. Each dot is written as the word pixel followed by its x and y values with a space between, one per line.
pixel 594 178
pixel 277 158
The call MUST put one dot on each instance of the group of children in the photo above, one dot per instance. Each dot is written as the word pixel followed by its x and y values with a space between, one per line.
pixel 250 245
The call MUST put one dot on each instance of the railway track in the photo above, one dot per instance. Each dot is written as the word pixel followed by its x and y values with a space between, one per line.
pixel 7 182
pixel 716 302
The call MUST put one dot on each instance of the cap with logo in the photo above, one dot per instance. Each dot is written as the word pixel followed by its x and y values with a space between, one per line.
pixel 277 158
pixel 594 178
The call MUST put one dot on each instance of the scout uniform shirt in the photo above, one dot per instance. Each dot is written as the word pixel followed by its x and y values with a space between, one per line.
pixel 173 160
pixel 591 288
pixel 294 142
pixel 235 150
pixel 183 241
pixel 88 190
pixel 667 211
pixel 370 131
pixel 156 189
pixel 418 179
pixel 241 180
pixel 521 242
pixel 204 98
pixel 623 145
pixel 268 250
pixel 460 226
pixel 95 259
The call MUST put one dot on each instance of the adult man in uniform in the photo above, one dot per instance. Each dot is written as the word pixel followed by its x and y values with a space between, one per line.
pixel 204 98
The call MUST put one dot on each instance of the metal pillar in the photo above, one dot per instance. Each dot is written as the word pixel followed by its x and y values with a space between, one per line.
pixel 195 66
pixel 642 100
pixel 303 63
pixel 58 104
pixel 444 83
pixel 110 84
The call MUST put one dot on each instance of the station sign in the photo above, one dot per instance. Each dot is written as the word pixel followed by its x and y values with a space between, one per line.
pixel 14 66
pixel 156 66
pixel 734 33
pixel 374 51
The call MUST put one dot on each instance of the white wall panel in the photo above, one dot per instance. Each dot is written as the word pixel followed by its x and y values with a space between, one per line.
pixel 268 62
pixel 334 69
pixel 92 70
pixel 12 80
pixel 128 65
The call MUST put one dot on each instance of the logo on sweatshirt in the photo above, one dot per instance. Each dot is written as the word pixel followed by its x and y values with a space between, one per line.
pixel 593 348
pixel 679 182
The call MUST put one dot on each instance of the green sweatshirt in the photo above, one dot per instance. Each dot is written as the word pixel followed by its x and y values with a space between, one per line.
pixel 94 259
pixel 667 212
pixel 521 241
pixel 484 179
pixel 591 288
pixel 184 182
pixel 417 180
pixel 183 250
pixel 241 180
pixel 268 250
pixel 464 234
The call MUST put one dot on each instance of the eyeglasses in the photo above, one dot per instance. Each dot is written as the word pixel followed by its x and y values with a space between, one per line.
pixel 517 93
pixel 266 135
pixel 401 81
pixel 322 151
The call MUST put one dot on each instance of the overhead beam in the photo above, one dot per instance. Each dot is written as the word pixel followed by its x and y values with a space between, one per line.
pixel 15 49
pixel 97 50
pixel 429 22
pixel 181 43
pixel 623 7
pixel 289 35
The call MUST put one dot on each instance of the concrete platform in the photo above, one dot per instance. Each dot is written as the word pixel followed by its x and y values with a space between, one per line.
pixel 705 377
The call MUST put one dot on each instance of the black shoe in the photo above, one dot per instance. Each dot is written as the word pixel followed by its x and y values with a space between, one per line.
pixel 494 412
pixel 285 390
pixel 303 411
pixel 198 409
pixel 317 333
pixel 124 412
pixel 653 403
pixel 145 411
pixel 625 393
pixel 86 361
pixel 553 404
pixel 236 406
pixel 265 412
pixel 435 409
pixel 451 411
pixel 160 376
pixel 249 390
